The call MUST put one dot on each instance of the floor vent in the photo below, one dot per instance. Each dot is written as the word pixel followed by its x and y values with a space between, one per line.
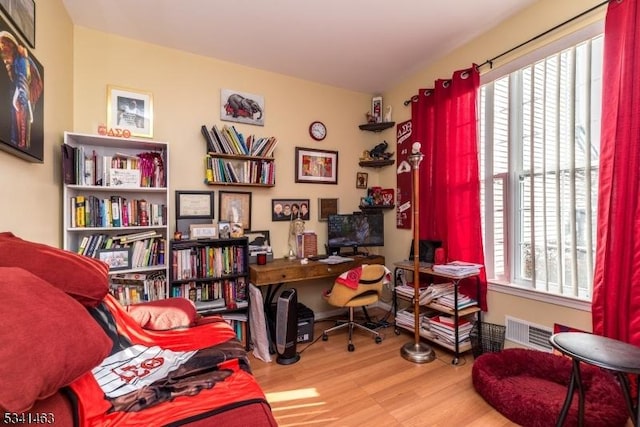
pixel 528 334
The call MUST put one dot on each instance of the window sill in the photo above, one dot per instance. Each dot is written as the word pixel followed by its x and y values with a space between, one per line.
pixel 515 290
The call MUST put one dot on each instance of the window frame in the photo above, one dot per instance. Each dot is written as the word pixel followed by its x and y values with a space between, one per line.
pixel 510 224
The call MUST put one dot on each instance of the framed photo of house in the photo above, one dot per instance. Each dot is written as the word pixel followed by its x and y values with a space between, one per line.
pixel 316 166
pixel 22 14
pixel 288 209
pixel 194 204
pixel 362 179
pixel 117 259
pixel 327 207
pixel 22 106
pixel 130 110
pixel 235 207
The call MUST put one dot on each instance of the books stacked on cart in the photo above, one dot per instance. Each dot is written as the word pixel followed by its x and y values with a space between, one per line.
pixel 448 301
pixel 406 317
pixel 457 268
pixel 443 327
pixel 408 291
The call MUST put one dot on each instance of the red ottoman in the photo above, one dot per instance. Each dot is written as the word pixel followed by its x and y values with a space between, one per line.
pixel 529 387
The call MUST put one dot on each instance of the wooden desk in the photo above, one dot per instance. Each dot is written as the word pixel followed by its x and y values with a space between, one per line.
pixel 281 270
pixel 276 273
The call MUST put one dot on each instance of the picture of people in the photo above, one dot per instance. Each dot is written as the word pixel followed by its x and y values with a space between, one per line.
pixel 130 111
pixel 289 209
pixel 129 114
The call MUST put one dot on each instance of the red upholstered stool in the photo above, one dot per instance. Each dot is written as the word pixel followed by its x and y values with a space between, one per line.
pixel 529 387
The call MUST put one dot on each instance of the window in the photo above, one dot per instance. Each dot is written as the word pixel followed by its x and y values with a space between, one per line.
pixel 539 155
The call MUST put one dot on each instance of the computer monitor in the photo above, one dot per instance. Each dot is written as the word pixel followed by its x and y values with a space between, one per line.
pixel 354 231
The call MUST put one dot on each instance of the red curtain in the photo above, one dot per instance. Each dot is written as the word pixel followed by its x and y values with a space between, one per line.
pixel 445 123
pixel 616 287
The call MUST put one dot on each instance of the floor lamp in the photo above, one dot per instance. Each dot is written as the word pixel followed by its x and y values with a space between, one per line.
pixel 416 351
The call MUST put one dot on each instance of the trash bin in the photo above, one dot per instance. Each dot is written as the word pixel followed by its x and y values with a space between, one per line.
pixel 486 338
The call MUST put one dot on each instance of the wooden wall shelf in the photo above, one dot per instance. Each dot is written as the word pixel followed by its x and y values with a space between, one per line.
pixel 376 127
pixel 376 163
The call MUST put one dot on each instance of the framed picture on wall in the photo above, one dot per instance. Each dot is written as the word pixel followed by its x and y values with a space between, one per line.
pixel 22 14
pixel 22 99
pixel 316 166
pixel 288 209
pixel 242 107
pixel 327 207
pixel 235 206
pixel 130 110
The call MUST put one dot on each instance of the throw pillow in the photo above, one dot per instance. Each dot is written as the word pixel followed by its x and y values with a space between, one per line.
pixel 85 279
pixel 48 339
pixel 164 314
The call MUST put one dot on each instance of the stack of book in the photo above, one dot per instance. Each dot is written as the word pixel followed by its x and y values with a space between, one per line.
pixel 457 268
pixel 443 327
pixel 227 140
pixel 448 301
pixel 406 317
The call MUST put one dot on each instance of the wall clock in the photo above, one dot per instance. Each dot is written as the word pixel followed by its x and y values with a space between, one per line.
pixel 318 131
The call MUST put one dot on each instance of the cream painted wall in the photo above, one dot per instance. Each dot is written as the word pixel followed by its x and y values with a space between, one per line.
pixel 186 95
pixel 30 192
pixel 540 17
pixel 79 63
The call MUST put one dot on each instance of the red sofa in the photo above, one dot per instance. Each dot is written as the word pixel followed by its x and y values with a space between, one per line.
pixel 71 355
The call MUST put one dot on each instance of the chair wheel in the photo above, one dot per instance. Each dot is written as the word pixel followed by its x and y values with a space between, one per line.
pixel 325 337
pixel 378 340
pixel 351 347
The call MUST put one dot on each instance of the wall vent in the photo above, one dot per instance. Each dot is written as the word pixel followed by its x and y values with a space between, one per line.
pixel 528 334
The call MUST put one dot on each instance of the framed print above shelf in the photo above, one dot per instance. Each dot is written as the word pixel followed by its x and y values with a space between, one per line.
pixel 22 14
pixel 130 110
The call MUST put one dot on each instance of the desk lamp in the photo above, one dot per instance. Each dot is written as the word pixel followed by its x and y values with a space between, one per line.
pixel 416 351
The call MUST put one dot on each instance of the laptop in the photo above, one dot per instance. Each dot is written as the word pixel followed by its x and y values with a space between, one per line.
pixel 427 250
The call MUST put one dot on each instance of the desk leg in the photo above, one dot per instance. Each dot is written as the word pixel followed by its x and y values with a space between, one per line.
pixel 573 381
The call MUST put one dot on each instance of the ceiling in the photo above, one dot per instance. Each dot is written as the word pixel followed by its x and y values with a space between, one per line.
pixel 365 46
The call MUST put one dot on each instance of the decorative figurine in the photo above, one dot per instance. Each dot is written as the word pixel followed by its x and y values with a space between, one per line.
pixel 379 151
pixel 387 114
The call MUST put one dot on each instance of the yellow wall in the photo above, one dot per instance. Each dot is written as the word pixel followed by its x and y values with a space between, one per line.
pixel 540 17
pixel 79 64
pixel 31 192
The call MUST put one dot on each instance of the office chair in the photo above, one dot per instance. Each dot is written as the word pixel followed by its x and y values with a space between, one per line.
pixel 358 287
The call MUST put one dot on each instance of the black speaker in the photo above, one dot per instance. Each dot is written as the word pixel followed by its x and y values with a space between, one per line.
pixel 287 327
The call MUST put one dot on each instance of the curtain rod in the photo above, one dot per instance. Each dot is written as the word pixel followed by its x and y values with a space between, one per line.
pixel 506 52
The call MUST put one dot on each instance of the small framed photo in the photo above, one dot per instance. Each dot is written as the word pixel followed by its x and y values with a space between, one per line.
pixel 362 179
pixel 224 229
pixel 203 231
pixel 258 240
pixel 288 209
pixel 130 110
pixel 118 258
pixel 327 207
pixel 194 204
pixel 235 207
pixel 376 108
pixel 316 166
pixel 236 229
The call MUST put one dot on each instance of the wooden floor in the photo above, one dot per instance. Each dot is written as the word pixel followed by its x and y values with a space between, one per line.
pixel 373 385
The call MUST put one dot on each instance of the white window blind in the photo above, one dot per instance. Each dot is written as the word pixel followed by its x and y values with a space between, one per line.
pixel 539 145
